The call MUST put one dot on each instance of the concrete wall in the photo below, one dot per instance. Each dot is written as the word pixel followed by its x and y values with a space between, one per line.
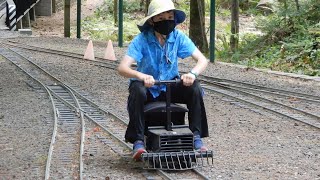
pixel 44 8
pixel 48 7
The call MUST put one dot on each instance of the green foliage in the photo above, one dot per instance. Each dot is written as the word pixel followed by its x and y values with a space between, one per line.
pixel 129 6
pixel 290 41
pixel 103 29
pixel 243 4
pixel 101 26
pixel 183 5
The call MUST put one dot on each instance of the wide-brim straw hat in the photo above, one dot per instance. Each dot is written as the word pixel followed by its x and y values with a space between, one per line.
pixel 157 7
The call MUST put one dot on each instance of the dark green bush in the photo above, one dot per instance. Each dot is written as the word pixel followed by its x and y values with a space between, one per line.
pixel 290 40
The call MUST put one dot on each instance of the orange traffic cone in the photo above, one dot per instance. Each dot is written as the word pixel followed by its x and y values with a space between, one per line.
pixel 109 53
pixel 89 54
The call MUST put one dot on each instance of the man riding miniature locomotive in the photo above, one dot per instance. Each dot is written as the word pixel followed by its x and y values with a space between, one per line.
pixel 156 51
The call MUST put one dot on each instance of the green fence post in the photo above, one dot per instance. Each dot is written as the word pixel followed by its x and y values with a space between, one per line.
pixel 212 30
pixel 120 28
pixel 78 19
pixel 67 18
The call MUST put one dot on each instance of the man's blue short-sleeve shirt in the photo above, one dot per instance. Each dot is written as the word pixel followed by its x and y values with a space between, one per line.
pixel 160 61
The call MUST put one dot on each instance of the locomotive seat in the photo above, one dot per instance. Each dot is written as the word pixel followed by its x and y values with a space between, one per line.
pixel 155 113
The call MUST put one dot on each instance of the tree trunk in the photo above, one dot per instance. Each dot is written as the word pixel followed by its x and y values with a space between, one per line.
pixel 297 5
pixel 146 7
pixel 141 5
pixel 197 25
pixel 115 12
pixel 234 39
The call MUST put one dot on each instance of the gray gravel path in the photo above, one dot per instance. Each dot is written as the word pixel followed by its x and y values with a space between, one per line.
pixel 248 145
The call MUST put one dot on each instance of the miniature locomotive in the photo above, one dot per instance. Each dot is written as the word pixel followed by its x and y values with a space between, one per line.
pixel 169 141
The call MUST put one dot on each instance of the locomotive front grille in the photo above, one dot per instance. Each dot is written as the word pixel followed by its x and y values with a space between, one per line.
pixel 180 139
pixel 173 150
pixel 176 143
pixel 177 160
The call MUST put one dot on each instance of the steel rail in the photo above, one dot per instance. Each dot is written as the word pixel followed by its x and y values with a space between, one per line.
pixel 280 94
pixel 54 134
pixel 57 52
pixel 315 122
pixel 89 116
pixel 303 96
pixel 243 85
pixel 267 100
pixel 82 137
pixel 50 92
pixel 77 93
pixel 55 112
pixel 95 121
pixel 72 120
pixel 203 78
pixel 85 113
pixel 162 173
pixel 128 146
pixel 200 174
pixel 107 112
pixel 101 62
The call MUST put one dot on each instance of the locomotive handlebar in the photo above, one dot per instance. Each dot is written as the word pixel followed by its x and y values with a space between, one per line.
pixel 168 83
pixel 174 81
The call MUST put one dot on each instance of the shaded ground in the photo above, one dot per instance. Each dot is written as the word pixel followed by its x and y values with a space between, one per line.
pixel 54 25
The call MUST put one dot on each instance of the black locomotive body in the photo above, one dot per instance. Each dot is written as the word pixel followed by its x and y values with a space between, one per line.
pixel 169 141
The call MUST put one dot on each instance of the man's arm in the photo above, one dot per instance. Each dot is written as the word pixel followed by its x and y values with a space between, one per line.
pixel 125 70
pixel 202 62
pixel 201 65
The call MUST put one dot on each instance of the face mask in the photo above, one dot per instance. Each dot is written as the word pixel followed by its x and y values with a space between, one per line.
pixel 164 27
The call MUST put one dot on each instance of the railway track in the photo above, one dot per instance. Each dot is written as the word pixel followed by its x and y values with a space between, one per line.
pixel 66 149
pixel 65 155
pixel 70 111
pixel 257 98
pixel 276 101
pixel 260 96
pixel 98 60
pixel 282 104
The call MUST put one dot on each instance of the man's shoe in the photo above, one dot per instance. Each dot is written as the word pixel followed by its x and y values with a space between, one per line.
pixel 138 149
pixel 198 145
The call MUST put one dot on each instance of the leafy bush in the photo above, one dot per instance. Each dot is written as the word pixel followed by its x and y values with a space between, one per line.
pixel 101 26
pixel 128 6
pixel 244 4
pixel 290 42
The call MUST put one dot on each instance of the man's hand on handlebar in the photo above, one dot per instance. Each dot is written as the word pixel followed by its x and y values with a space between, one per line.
pixel 147 80
pixel 188 79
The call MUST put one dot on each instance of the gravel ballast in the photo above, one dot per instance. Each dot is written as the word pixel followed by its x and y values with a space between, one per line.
pixel 247 144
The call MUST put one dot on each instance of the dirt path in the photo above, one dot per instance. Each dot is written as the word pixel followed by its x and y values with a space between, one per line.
pixel 54 25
